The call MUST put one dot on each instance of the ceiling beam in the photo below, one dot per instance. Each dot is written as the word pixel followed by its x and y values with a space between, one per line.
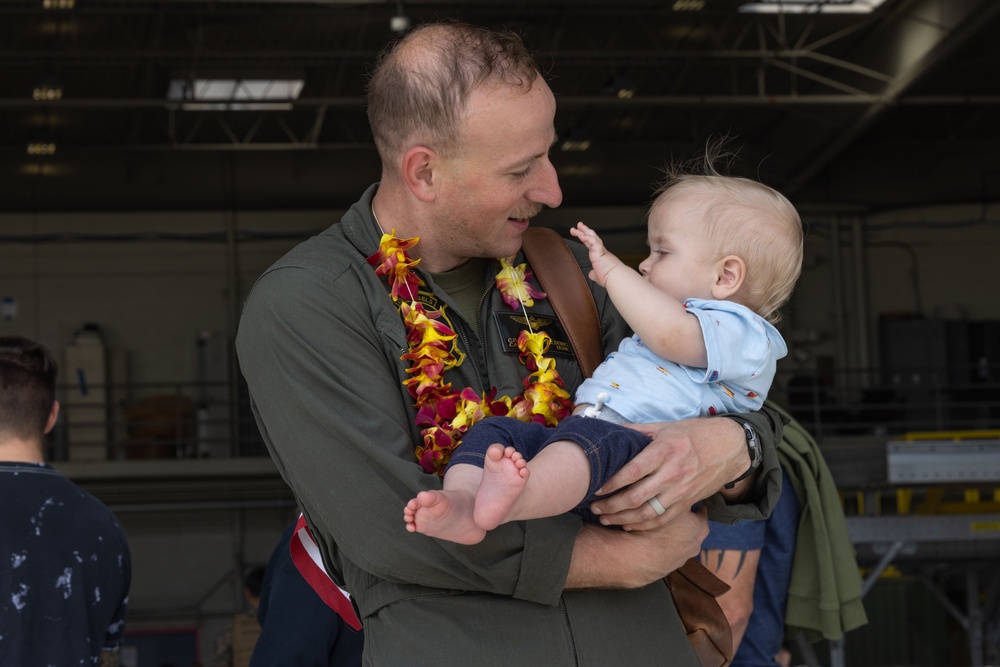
pixel 923 34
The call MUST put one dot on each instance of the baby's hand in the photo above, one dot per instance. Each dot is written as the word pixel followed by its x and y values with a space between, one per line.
pixel 602 260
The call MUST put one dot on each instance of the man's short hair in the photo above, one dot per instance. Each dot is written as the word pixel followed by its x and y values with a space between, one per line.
pixel 27 388
pixel 421 83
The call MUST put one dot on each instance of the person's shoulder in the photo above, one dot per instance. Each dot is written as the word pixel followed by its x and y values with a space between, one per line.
pixel 317 264
pixel 88 512
pixel 328 251
pixel 89 504
pixel 346 243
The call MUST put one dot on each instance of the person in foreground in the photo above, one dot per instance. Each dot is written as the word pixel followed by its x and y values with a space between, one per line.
pixel 369 349
pixel 65 567
pixel 725 253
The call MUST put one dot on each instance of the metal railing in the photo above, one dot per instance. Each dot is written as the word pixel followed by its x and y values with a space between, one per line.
pixel 154 420
pixel 197 420
pixel 871 402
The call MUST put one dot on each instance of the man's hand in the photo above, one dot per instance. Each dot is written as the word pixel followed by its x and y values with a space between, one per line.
pixel 608 558
pixel 687 461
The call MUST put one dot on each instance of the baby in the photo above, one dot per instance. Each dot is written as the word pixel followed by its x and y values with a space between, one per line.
pixel 725 253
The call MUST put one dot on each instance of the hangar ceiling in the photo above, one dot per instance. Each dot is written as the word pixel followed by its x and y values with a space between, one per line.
pixel 891 108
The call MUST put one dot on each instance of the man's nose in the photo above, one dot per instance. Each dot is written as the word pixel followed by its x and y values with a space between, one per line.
pixel 547 190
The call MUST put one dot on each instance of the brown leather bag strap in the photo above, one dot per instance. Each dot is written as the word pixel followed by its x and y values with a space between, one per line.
pixel 569 294
pixel 703 578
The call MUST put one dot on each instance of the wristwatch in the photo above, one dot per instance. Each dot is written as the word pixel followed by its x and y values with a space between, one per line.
pixel 753 448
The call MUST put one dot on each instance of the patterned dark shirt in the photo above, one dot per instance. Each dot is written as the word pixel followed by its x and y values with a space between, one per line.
pixel 65 571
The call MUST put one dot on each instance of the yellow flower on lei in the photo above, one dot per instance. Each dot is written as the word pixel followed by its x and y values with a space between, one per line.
pixel 512 281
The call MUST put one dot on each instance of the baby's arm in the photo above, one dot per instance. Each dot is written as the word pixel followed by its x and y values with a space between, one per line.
pixel 659 319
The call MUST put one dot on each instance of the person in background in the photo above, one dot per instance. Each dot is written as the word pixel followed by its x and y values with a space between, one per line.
pixel 65 566
pixel 368 349
pixel 297 628
pixel 233 645
pixel 795 572
pixel 253 581
pixel 755 559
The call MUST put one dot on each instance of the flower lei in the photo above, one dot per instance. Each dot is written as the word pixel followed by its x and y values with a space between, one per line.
pixel 444 413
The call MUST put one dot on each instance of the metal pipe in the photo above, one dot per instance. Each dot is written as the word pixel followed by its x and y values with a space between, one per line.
pixel 233 303
pixel 203 506
pixel 837 278
pixel 860 295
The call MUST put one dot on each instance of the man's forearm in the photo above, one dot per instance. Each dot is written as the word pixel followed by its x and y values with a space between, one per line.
pixel 594 546
pixel 611 558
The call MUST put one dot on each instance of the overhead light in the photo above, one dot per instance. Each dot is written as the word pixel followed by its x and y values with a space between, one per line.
pixel 620 86
pixel 399 23
pixel 575 145
pixel 576 141
pixel 811 7
pixel 235 94
pixel 689 5
pixel 45 168
pixel 58 4
pixel 42 148
pixel 47 90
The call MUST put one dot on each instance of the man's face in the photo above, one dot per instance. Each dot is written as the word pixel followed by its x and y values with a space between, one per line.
pixel 499 176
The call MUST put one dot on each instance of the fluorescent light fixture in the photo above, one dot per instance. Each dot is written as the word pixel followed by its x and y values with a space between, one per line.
pixel 811 7
pixel 58 4
pixel 688 5
pixel 235 94
pixel 42 148
pixel 620 86
pixel 45 93
pixel 575 141
pixel 575 145
pixel 47 90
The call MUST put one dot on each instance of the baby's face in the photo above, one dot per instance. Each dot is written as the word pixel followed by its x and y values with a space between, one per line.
pixel 680 262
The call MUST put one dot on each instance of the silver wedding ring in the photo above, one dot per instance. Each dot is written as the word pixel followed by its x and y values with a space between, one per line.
pixel 657 507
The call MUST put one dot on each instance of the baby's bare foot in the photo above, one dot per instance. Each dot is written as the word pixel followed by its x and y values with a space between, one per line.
pixel 443 514
pixel 505 474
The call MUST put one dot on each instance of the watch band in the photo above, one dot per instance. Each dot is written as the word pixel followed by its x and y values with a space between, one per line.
pixel 753 449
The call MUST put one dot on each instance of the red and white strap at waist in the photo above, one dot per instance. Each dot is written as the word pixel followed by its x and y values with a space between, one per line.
pixel 309 562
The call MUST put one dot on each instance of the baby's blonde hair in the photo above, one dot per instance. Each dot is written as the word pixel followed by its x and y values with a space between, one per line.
pixel 750 220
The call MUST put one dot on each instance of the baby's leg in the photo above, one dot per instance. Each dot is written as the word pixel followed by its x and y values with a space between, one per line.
pixel 559 476
pixel 448 514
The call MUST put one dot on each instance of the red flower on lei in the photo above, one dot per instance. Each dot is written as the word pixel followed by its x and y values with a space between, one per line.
pixel 443 413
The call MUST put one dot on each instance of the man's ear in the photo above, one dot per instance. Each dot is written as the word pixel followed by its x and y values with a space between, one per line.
pixel 418 166
pixel 730 272
pixel 50 423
